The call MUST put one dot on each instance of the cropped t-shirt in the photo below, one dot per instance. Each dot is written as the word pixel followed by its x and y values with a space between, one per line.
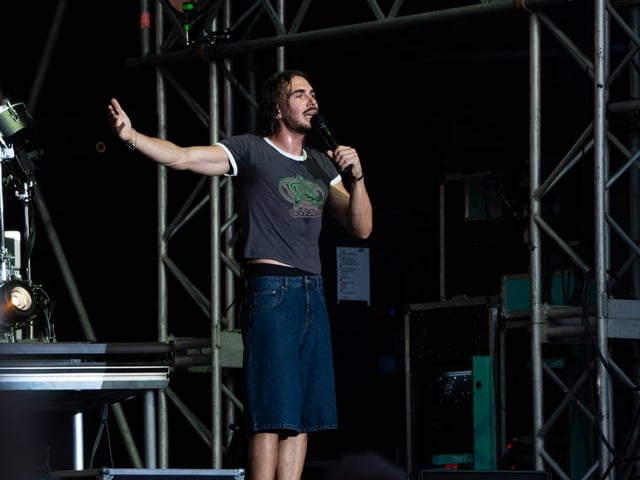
pixel 281 199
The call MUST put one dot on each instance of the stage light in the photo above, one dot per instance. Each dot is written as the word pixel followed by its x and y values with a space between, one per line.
pixel 19 132
pixel 178 5
pixel 18 302
pixel 25 313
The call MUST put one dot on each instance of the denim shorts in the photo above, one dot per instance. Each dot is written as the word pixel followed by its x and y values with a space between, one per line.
pixel 288 358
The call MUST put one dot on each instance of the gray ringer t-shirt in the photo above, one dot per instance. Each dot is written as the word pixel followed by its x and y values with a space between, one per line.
pixel 281 199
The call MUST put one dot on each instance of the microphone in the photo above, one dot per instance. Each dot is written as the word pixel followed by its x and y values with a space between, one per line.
pixel 320 125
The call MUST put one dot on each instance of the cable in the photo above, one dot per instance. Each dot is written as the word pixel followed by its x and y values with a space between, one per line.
pixel 103 424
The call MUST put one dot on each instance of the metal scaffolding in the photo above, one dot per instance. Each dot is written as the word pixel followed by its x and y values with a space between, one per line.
pixel 608 311
pixel 611 271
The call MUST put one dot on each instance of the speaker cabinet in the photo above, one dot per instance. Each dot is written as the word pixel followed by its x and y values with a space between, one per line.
pixel 443 341
pixel 485 475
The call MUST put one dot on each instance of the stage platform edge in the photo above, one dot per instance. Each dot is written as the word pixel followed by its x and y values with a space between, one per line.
pixel 105 473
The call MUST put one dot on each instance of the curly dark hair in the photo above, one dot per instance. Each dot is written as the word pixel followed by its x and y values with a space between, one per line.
pixel 275 91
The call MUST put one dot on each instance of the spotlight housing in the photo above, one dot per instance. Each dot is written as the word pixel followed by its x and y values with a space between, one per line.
pixel 18 302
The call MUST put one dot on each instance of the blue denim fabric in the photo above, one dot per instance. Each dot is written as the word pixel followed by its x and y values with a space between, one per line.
pixel 288 358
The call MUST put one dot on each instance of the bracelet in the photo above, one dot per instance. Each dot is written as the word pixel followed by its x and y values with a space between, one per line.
pixel 132 146
pixel 356 180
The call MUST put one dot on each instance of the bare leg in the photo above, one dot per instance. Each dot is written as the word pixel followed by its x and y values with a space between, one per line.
pixel 291 455
pixel 263 456
pixel 273 458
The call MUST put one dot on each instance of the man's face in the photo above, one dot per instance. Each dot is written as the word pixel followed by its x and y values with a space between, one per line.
pixel 301 105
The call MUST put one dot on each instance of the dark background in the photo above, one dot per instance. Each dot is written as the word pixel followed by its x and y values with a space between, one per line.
pixel 423 106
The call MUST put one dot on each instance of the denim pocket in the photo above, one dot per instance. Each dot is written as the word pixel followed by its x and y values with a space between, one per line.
pixel 265 298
